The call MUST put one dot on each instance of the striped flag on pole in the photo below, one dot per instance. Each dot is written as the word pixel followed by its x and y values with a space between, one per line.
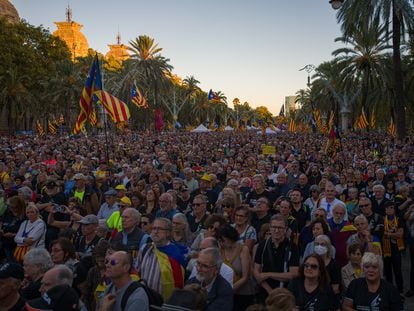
pixel 40 129
pixel 116 108
pixel 51 127
pixel 292 126
pixel 392 130
pixel 137 98
pixel 362 121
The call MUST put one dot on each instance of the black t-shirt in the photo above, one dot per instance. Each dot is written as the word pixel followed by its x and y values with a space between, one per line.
pixel 386 297
pixel 302 216
pixel 257 222
pixel 273 258
pixel 19 306
pixel 319 300
pixel 334 272
pixel 31 291
pixel 253 196
pixel 196 226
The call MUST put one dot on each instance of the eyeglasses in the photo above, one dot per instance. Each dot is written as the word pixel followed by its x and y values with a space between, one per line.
pixel 144 223
pixel 239 215
pixel 159 229
pixel 364 205
pixel 311 266
pixel 277 228
pixel 225 206
pixel 203 265
pixel 197 204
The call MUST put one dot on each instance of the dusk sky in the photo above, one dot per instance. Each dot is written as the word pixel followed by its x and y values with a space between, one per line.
pixel 249 49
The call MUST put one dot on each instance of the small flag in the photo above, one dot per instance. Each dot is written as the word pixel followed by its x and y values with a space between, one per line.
pixel 158 120
pixel 213 97
pixel 392 129
pixel 362 121
pixel 51 127
pixel 40 129
pixel 137 98
pixel 292 126
pixel 282 111
pixel 116 108
pixel 372 120
pixel 61 119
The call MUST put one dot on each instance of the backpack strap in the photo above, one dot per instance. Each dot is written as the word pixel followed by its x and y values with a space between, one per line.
pixel 128 292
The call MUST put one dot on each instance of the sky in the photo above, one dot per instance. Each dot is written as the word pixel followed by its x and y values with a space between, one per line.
pixel 249 49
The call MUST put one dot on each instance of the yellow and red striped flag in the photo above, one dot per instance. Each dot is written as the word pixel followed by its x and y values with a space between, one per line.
pixel 51 127
pixel 137 98
pixel 372 120
pixel 87 111
pixel 392 129
pixel 362 121
pixel 116 108
pixel 331 120
pixel 39 128
pixel 292 126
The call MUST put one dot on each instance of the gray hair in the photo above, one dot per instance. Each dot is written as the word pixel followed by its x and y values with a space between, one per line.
pixel 215 254
pixel 361 217
pixel 233 183
pixel 337 205
pixel 166 221
pixel 378 187
pixel 134 213
pixel 327 240
pixel 371 258
pixel 39 257
pixel 64 275
pixel 26 193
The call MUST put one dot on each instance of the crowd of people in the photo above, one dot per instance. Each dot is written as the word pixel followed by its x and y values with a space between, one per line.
pixel 184 221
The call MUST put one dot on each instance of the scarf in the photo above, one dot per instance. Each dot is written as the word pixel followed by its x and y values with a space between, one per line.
pixel 391 225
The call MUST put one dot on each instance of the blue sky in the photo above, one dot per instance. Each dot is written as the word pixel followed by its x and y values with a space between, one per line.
pixel 249 49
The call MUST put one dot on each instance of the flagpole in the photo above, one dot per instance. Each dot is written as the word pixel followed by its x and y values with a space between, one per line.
pixel 105 121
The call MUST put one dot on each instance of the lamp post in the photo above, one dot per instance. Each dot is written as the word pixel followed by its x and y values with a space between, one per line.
pixel 336 4
pixel 308 68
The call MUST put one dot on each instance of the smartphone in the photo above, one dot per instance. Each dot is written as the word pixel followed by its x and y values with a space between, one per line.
pixel 59 208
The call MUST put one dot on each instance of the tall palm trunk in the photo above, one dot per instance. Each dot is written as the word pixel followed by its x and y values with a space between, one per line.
pixel 399 99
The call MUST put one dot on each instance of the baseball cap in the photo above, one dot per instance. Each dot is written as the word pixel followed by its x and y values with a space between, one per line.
pixel 89 219
pixel 120 187
pixel 110 192
pixel 125 201
pixel 79 176
pixel 206 177
pixel 11 270
pixel 60 297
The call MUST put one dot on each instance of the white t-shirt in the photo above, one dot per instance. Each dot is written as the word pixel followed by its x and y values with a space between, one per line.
pixel 225 271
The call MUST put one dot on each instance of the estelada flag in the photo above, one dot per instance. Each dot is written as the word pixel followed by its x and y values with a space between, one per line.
pixel 137 98
pixel 116 108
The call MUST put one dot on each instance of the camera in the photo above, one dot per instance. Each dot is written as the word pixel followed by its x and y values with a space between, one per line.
pixel 59 208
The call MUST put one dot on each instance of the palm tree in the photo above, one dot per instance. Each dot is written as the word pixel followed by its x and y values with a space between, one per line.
pixel 364 60
pixel 14 97
pixel 397 14
pixel 150 65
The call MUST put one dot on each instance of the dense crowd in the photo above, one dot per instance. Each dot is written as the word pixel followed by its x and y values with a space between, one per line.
pixel 184 221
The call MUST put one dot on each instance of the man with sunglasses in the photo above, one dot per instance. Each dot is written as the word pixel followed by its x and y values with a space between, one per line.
pixel 375 221
pixel 117 270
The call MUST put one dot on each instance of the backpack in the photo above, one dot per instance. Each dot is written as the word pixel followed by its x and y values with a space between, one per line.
pixel 154 298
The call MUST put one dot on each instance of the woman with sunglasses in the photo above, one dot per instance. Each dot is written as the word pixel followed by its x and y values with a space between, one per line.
pixel 371 292
pixel 311 289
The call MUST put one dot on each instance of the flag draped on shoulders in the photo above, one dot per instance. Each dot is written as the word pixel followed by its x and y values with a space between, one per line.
pixel 87 111
pixel 171 261
pixel 137 98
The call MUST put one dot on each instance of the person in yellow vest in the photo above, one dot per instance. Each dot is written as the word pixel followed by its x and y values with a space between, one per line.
pixel 86 195
pixel 114 222
pixel 393 245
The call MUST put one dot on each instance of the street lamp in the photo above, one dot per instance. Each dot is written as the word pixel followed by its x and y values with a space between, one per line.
pixel 336 4
pixel 308 68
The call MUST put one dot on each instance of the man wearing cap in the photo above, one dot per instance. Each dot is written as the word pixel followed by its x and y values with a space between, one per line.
pixel 184 200
pixel 11 277
pixel 114 221
pixel 206 189
pixel 109 206
pixel 89 239
pixel 86 195
pixel 121 191
pixel 51 199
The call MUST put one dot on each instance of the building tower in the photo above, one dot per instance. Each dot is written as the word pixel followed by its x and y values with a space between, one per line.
pixel 117 54
pixel 69 31
pixel 9 12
